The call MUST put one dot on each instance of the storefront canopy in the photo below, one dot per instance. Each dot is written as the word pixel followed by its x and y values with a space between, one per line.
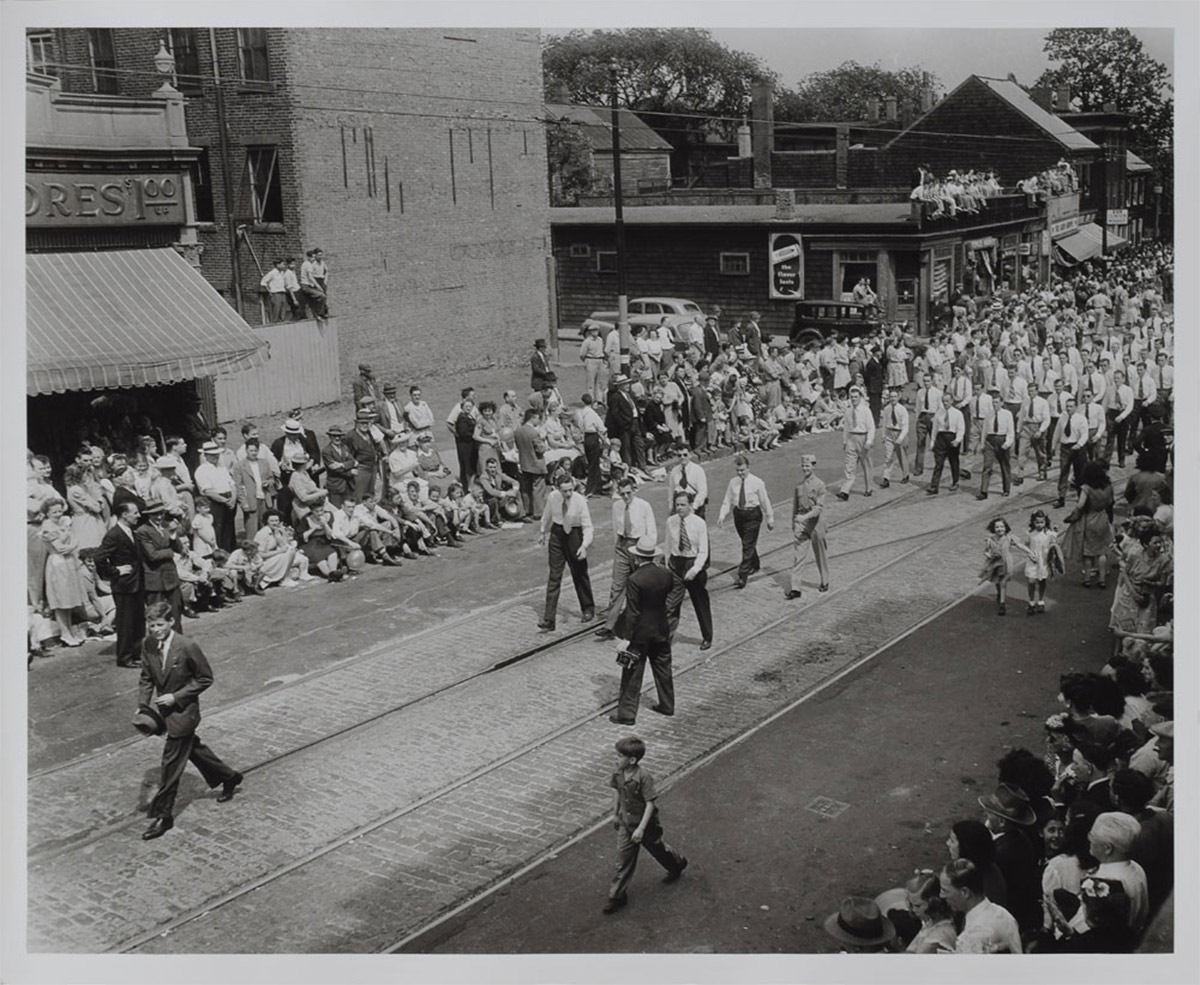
pixel 1084 243
pixel 127 318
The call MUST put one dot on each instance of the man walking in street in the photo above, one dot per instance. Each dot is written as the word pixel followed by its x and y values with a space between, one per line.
pixel 895 438
pixel 632 521
pixel 929 402
pixel 873 379
pixel 568 523
pixel 998 434
pixel 808 526
pixel 531 450
pixel 746 496
pixel 687 557
pixel 858 435
pixel 651 593
pixel 948 430
pixel 1034 427
pixel 1071 440
pixel 119 562
pixel 688 476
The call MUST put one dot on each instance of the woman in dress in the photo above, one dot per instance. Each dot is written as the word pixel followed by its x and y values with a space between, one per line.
pixel 65 588
pixel 972 840
pixel 1091 534
pixel 1043 544
pixel 672 404
pixel 841 365
pixel 897 360
pixel 89 507
pixel 278 552
pixel 487 435
pixel 1146 567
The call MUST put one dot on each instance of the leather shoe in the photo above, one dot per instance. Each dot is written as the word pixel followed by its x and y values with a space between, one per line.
pixel 128 663
pixel 932 491
pixel 823 588
pixel 740 583
pixel 869 492
pixel 159 827
pixel 792 593
pixel 589 615
pixel 904 480
pixel 660 710
pixel 981 495
pixel 545 625
pixel 612 905
pixel 884 483
pixel 605 634
pixel 843 496
pixel 674 876
pixel 620 721
pixel 706 645
pixel 228 787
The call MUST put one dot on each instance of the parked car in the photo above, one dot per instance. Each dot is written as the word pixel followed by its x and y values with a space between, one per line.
pixel 642 311
pixel 817 319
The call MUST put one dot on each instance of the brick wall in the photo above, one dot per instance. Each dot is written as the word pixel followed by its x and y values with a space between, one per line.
pixel 803 169
pixel 638 170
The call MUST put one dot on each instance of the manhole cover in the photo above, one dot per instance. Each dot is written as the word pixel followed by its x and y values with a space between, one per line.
pixel 826 807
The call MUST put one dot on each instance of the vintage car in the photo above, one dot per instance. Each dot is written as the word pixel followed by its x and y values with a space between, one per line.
pixel 817 319
pixel 648 312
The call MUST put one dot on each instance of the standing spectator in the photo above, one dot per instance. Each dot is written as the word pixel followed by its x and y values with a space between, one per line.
pixel 531 450
pixel 256 488
pixel 160 576
pixel 746 496
pixel 509 414
pixel 623 421
pixel 539 366
pixel 808 526
pixel 366 454
pixel 687 556
pixel 701 413
pixel 364 385
pixel 339 465
pixel 274 286
pixel 1009 816
pixel 214 482
pixel 568 522
pixel 592 426
pixel 858 436
pixel 65 588
pixel 312 279
pixel 89 508
pixel 391 419
pixel 418 413
pixel 464 440
pixel 632 521
pixel 591 353
pixel 752 334
pixel 486 436
pixel 712 339
pixel 291 288
pixel 119 562
pixel 895 438
pixel 612 352
pixel 1091 534
pixel 873 377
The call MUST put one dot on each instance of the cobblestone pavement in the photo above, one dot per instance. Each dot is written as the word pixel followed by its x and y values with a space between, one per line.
pixel 403 816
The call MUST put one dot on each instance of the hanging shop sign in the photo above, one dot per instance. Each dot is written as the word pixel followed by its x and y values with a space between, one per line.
pixel 97 199
pixel 787 266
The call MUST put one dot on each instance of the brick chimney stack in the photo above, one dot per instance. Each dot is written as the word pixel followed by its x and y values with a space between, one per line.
pixel 890 108
pixel 762 107
pixel 1062 99
pixel 873 110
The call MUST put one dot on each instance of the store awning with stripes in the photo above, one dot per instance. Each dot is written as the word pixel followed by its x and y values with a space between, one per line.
pixel 128 318
pixel 1084 243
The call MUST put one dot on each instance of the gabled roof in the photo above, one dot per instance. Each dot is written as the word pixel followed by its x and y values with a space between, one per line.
pixel 595 123
pixel 1019 100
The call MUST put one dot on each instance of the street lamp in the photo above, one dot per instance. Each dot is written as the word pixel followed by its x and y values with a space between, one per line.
pixel 622 284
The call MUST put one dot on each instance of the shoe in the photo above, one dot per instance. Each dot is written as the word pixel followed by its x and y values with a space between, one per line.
pixel 823 588
pixel 1041 607
pixel 918 471
pixel 1060 503
pixel 964 473
pixel 740 583
pixel 620 721
pixel 612 905
pixel 954 487
pixel 605 634
pixel 904 480
pixel 792 593
pixel 1002 611
pixel 1031 610
pixel 932 491
pixel 120 663
pixel 190 613
pixel 883 484
pixel 869 492
pixel 336 576
pixel 159 827
pixel 228 787
pixel 1004 492
pixel 674 876
pixel 981 495
pixel 843 496
pixel 1018 482
pixel 545 625
pixel 706 644
pixel 290 583
pixel 589 615
pixel 659 709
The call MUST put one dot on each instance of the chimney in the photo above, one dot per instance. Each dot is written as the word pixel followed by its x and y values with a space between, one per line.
pixel 559 93
pixel 1062 98
pixel 762 130
pixel 873 110
pixel 890 108
pixel 927 99
pixel 743 141
pixel 907 111
pixel 785 203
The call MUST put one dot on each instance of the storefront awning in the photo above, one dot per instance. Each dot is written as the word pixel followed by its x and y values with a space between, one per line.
pixel 1083 244
pixel 127 318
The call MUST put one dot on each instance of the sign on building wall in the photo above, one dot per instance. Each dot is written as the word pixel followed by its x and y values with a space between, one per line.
pixel 787 266
pixel 1118 217
pixel 57 199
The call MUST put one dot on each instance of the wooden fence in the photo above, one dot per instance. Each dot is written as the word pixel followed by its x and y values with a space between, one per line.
pixel 302 371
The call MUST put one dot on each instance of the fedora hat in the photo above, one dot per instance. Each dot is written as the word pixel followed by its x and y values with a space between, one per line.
pixel 619 379
pixel 292 426
pixel 859 923
pixel 210 448
pixel 645 547
pixel 164 463
pixel 1009 802
pixel 148 721
pixel 336 431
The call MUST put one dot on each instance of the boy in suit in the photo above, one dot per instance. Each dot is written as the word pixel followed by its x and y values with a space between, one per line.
pixel 160 578
pixel 175 668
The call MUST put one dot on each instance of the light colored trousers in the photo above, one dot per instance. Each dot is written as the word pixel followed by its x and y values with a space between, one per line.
pixel 858 458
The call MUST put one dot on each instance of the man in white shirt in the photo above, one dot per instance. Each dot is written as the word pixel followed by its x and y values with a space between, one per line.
pixel 1119 414
pixel 999 434
pixel 1034 427
pixel 568 522
pixel 688 476
pixel 291 287
pixel 1110 841
pixel 808 527
pixel 612 350
pixel 591 353
pixel 686 551
pixel 948 429
pixel 632 519
pixel 746 497
pixel 1145 393
pixel 591 424
pixel 894 421
pixel 214 481
pixel 929 402
pixel 987 927
pixel 961 393
pixel 274 285
pixel 1096 424
pixel 858 436
pixel 1071 441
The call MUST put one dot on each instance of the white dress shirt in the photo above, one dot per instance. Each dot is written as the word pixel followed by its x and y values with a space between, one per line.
pixel 894 418
pixel 1124 394
pixel 691 477
pixel 697 531
pixel 950 419
pixel 641 519
pixel 1038 413
pixel 756 495
pixel 929 400
pixel 859 420
pixel 571 514
pixel 1000 421
pixel 989 929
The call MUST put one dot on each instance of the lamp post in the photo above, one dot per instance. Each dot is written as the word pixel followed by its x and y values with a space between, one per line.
pixel 622 285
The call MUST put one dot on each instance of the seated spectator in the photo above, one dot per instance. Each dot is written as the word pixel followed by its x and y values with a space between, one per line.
pixel 1030 774
pixel 1110 841
pixel 501 494
pixel 472 513
pixel 245 567
pixel 987 928
pixel 1062 875
pixel 100 608
pixel 925 902
pixel 306 496
pixel 1105 917
pixel 430 462
pixel 279 554
pixel 972 840
pixel 316 542
pixel 379 532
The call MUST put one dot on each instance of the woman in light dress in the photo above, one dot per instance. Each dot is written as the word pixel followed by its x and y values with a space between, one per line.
pixel 65 588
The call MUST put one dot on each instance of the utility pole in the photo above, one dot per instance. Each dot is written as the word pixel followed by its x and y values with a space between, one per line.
pixel 1103 201
pixel 622 280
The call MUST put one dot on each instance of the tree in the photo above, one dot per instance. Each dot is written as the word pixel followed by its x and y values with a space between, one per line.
pixel 841 93
pixel 687 82
pixel 569 157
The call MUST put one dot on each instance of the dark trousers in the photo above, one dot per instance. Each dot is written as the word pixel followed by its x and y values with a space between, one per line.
pixel 130 624
pixel 924 430
pixel 697 590
pixel 174 599
pixel 177 751
pixel 563 550
pixel 316 302
pixel 1118 434
pixel 747 523
pixel 995 455
pixel 1069 459
pixel 533 491
pixel 364 480
pixel 943 450
pixel 468 459
pixel 658 652
pixel 965 448
pixel 628 851
pixel 592 447
pixel 633 446
pixel 222 515
pixel 875 402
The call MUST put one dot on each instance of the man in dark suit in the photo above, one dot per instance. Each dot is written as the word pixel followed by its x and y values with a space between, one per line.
pixel 652 593
pixel 175 668
pixel 119 562
pixel 873 378
pixel 623 421
pixel 531 450
pixel 539 366
pixel 160 577
pixel 1008 815
pixel 712 339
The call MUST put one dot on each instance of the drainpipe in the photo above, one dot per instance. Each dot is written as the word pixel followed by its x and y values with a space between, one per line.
pixel 226 174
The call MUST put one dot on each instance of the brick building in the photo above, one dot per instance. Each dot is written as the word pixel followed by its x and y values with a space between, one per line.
pixel 645 156
pixel 414 158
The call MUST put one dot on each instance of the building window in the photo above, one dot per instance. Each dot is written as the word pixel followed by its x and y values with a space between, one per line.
pixel 39 52
pixel 606 262
pixel 203 189
pixel 252 51
pixel 103 56
pixel 261 199
pixel 581 250
pixel 854 267
pixel 735 263
pixel 185 48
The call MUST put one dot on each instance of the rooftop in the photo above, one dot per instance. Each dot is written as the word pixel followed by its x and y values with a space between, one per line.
pixel 700 215
pixel 595 123
pixel 1020 100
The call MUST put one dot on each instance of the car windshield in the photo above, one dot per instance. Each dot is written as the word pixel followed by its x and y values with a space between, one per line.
pixel 690 308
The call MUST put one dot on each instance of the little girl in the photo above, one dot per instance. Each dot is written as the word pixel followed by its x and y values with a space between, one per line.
pixel 1043 544
pixel 997 559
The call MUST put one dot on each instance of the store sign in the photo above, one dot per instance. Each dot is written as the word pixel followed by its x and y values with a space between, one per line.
pixel 787 266
pixel 1060 228
pixel 80 200
pixel 1118 217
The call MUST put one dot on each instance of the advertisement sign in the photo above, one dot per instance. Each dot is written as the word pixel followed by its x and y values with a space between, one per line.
pixel 787 266
pixel 1118 217
pixel 54 198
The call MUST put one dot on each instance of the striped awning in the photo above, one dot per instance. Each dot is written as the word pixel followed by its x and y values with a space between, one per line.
pixel 127 318
pixel 1084 243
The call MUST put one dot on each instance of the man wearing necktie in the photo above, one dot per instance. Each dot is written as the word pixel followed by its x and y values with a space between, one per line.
pixel 687 554
pixel 948 427
pixel 1071 438
pixel 568 521
pixel 746 497
pixel 999 435
pixel 960 388
pixel 1035 430
pixel 895 438
pixel 1119 419
pixel 633 520
pixel 688 476
pixel 929 401
pixel 808 526
pixel 858 435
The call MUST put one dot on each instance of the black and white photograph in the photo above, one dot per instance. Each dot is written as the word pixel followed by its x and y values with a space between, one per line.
pixel 466 446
